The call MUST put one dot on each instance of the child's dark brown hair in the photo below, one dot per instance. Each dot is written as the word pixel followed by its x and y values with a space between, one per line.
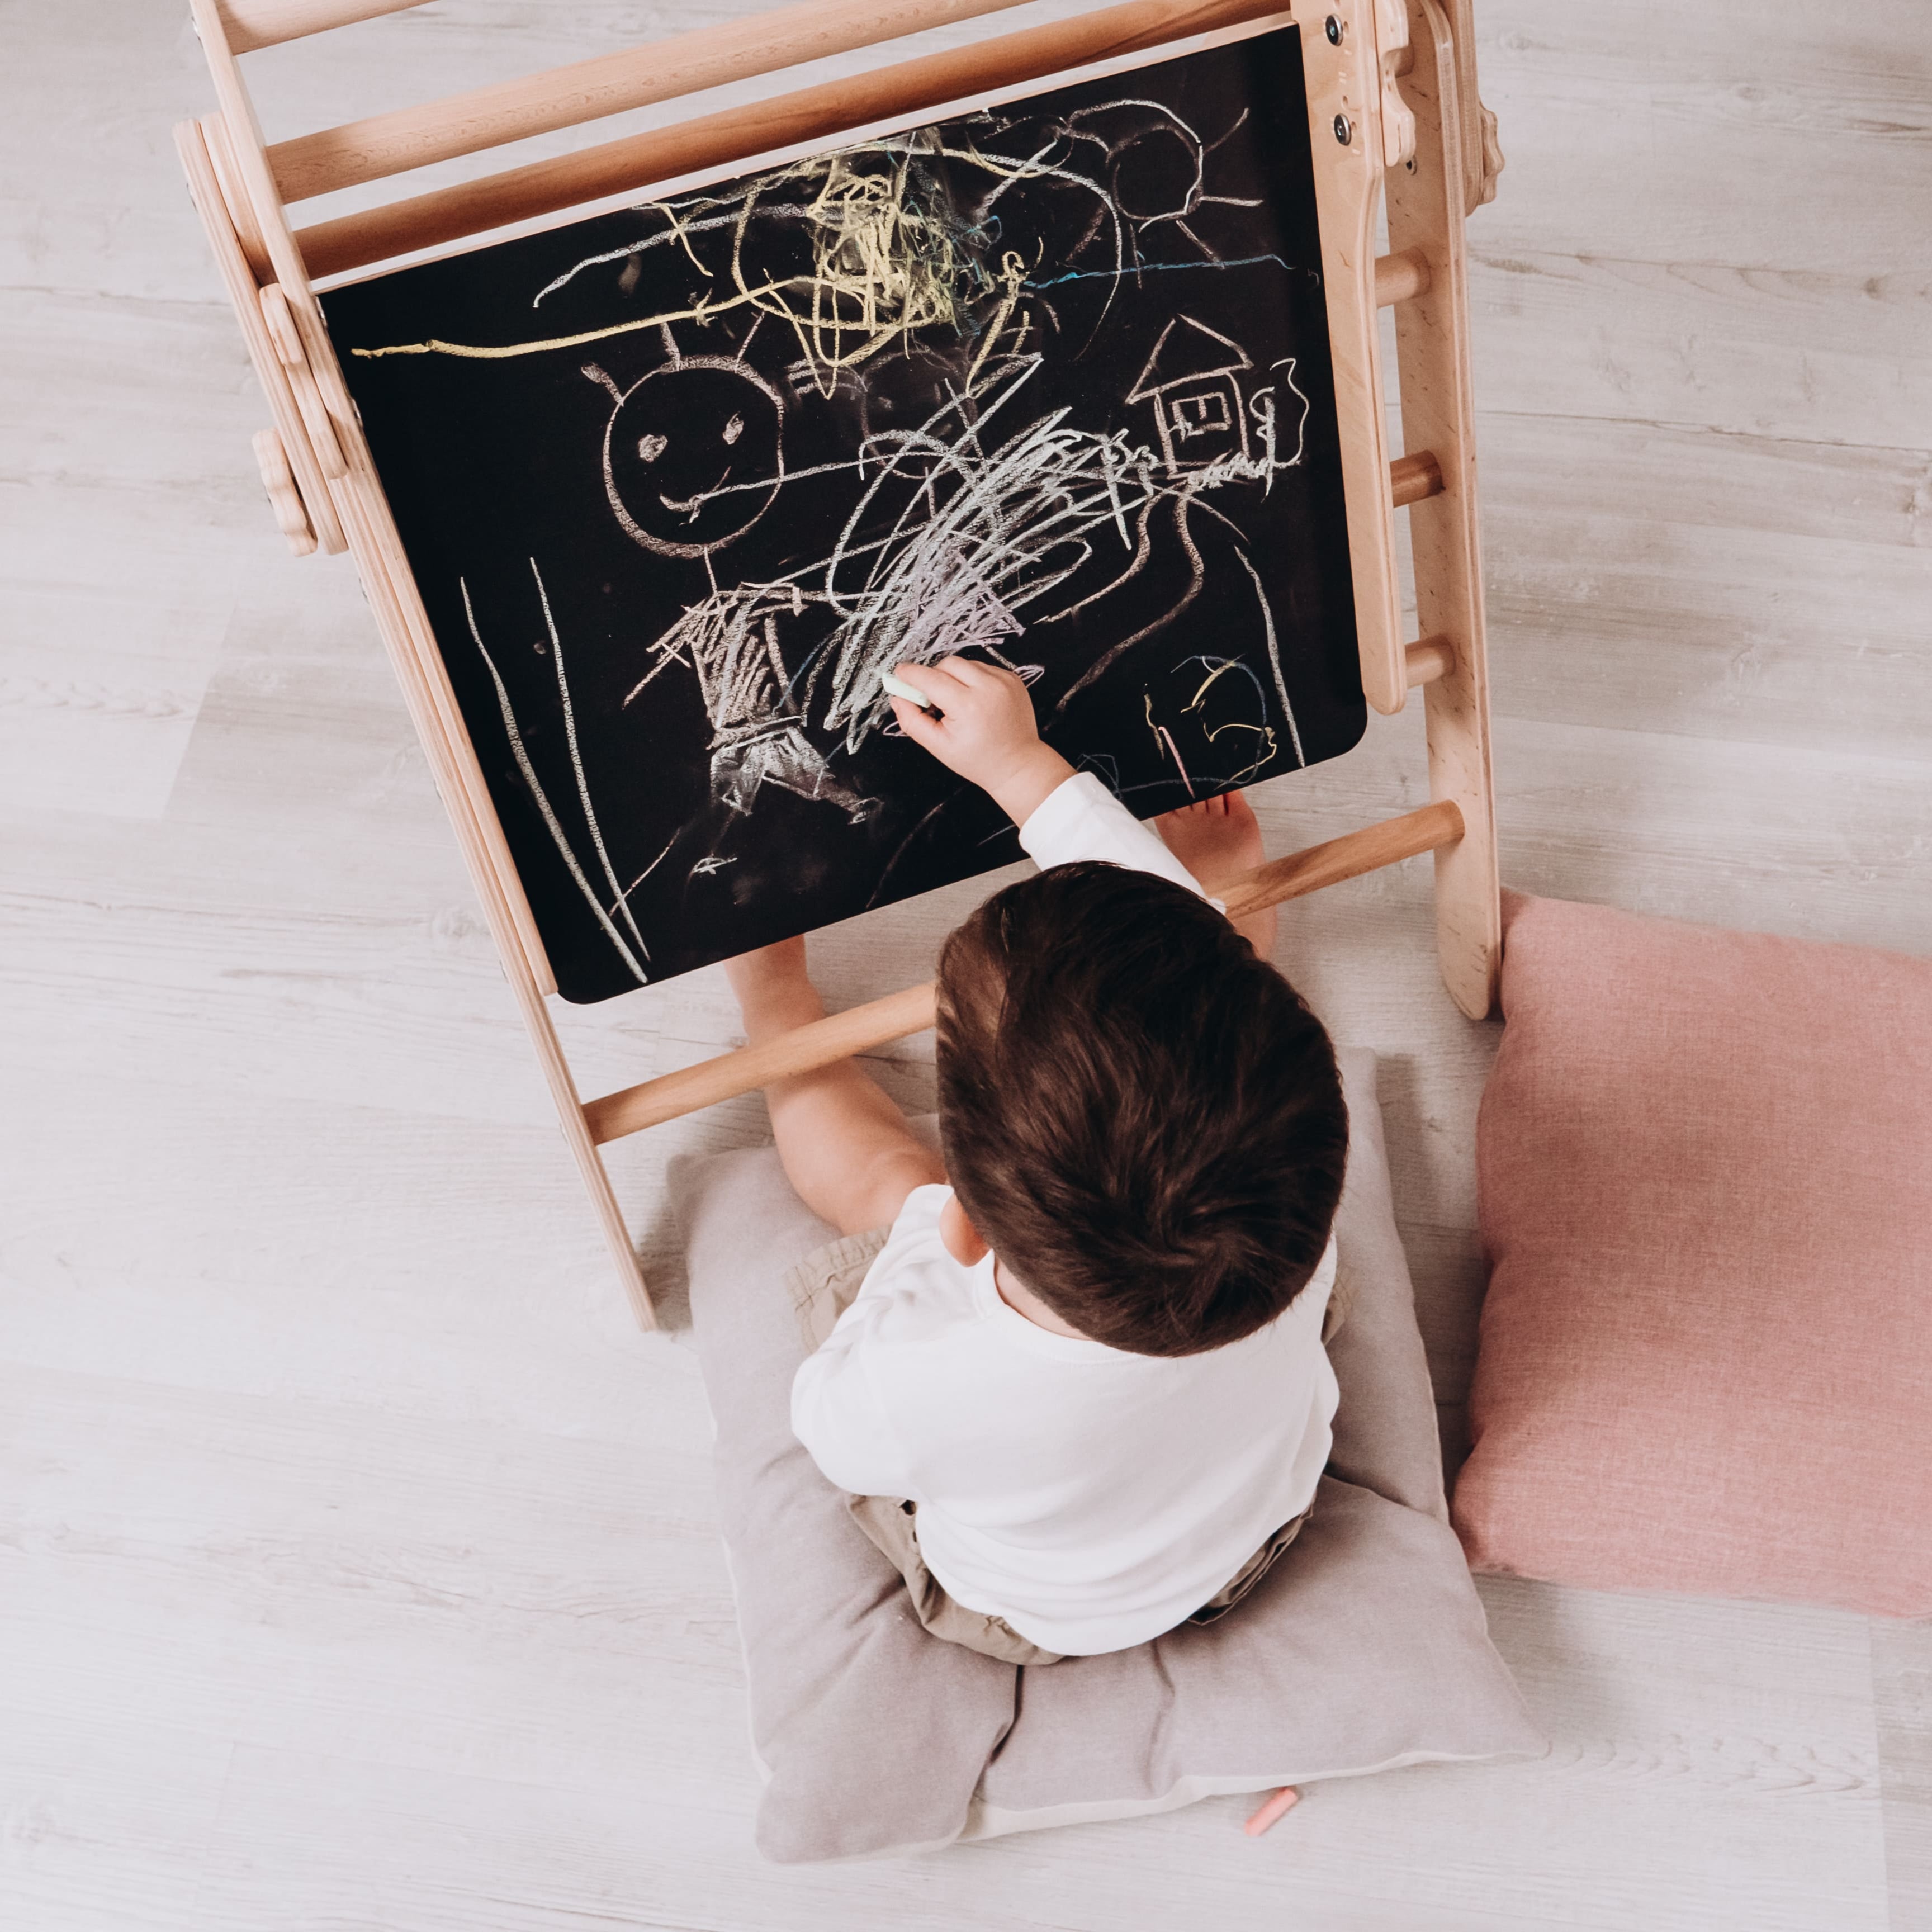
pixel 1143 1119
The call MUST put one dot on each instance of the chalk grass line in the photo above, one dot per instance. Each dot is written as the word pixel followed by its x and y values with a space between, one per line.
pixel 530 778
pixel 1174 752
pixel 1274 660
pixel 646 872
pixel 577 762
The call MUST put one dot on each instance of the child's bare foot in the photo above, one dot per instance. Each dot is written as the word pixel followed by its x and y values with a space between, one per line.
pixel 774 990
pixel 1217 840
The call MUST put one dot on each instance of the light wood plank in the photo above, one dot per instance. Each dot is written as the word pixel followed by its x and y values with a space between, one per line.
pixel 1625 1685
pixel 1680 139
pixel 1836 357
pixel 1902 1701
pixel 1777 591
pixel 96 1841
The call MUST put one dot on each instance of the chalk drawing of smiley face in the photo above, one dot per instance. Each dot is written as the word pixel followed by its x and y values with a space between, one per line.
pixel 693 454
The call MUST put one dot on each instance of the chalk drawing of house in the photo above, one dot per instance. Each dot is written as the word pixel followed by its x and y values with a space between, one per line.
pixel 1192 380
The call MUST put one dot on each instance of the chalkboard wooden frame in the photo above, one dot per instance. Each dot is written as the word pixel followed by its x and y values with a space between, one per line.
pixel 1391 105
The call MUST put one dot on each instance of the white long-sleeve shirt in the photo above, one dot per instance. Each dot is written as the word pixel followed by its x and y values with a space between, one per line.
pixel 1091 1497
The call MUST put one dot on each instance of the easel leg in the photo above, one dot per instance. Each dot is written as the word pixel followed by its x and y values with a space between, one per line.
pixel 1425 213
pixel 392 623
pixel 576 1133
pixel 349 490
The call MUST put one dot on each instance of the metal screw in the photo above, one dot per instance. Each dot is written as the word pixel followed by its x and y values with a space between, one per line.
pixel 1332 27
pixel 1341 129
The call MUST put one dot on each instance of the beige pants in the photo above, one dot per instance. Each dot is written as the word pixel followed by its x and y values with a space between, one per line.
pixel 822 1288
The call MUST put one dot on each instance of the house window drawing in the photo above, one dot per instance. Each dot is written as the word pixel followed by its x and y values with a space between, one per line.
pixel 1192 381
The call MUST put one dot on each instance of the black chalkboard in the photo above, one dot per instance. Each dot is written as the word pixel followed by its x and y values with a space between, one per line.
pixel 1050 383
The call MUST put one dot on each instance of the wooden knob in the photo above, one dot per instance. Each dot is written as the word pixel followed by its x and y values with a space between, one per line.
pixel 1492 159
pixel 280 324
pixel 284 499
pixel 1396 57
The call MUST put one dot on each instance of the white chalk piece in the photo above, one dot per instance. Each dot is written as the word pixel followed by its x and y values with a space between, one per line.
pixel 899 687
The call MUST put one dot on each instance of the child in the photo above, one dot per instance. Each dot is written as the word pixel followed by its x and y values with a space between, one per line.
pixel 1082 1394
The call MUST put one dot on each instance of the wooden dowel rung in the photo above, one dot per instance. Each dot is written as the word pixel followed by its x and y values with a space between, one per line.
pixel 1430 658
pixel 861 1028
pixel 1401 278
pixel 836 1037
pixel 1348 857
pixel 1413 477
pixel 807 116
pixel 439 130
pixel 250 24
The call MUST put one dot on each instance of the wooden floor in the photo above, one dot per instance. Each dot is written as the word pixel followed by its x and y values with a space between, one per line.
pixel 357 1562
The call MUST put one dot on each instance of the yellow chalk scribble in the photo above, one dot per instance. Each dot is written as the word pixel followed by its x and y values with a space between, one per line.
pixel 890 255
pixel 700 312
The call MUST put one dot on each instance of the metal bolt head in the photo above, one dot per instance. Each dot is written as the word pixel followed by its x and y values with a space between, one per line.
pixel 1342 130
pixel 1332 27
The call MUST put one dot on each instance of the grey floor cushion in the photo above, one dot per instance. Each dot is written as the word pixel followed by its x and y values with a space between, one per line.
pixel 1364 1648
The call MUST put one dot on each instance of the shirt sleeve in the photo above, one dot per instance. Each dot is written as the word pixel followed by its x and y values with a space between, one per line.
pixel 836 1411
pixel 1081 819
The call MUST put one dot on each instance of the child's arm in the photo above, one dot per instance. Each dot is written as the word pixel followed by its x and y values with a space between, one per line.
pixel 987 734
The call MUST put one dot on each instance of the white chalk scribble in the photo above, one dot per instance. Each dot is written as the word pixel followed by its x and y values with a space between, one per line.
pixel 895 481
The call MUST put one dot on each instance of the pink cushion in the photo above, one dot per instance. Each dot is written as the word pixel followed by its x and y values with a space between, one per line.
pixel 1704 1162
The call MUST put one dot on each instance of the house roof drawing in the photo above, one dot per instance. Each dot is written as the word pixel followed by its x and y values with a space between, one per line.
pixel 1188 352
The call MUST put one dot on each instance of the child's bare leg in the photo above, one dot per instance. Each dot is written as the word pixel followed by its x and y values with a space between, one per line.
pixel 1217 840
pixel 845 1146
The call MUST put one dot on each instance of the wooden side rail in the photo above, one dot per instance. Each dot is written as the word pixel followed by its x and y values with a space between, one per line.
pixel 727 1075
pixel 252 24
pixel 805 115
pixel 562 96
pixel 1426 207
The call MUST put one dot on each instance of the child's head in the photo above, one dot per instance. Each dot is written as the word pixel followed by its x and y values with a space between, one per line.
pixel 1143 1120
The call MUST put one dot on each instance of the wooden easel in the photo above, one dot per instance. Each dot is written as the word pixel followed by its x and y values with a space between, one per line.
pixel 1392 107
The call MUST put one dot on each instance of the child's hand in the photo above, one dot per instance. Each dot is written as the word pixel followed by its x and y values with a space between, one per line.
pixel 987 734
